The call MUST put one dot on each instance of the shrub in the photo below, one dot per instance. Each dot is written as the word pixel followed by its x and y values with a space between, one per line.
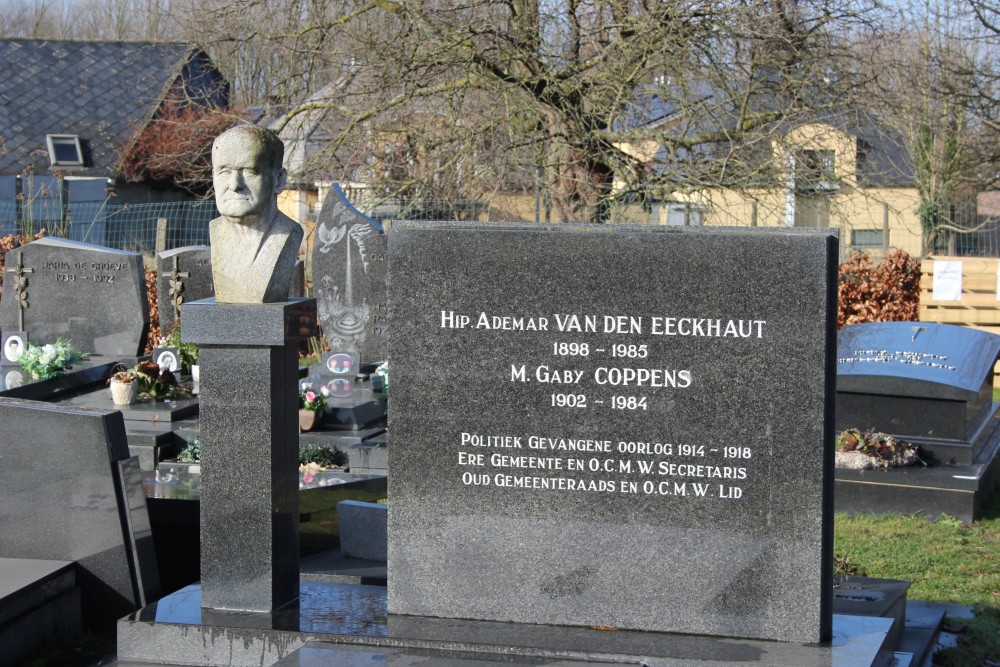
pixel 889 292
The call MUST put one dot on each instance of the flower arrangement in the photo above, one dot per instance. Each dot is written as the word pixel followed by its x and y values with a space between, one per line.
pixel 191 452
pixel 157 383
pixel 868 450
pixel 311 400
pixel 44 362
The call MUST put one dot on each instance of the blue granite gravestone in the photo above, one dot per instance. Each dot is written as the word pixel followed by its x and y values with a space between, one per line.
pixel 349 263
pixel 94 297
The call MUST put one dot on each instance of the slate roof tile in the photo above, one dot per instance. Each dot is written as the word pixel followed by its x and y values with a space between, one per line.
pixel 100 91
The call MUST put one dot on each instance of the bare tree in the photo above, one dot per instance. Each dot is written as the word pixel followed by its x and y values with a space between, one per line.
pixel 562 88
pixel 935 76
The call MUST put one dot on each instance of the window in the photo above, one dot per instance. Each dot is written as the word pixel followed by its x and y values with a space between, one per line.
pixel 812 211
pixel 676 214
pixel 816 170
pixel 867 238
pixel 64 149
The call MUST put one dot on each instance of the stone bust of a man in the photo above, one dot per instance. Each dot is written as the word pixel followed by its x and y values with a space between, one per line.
pixel 254 245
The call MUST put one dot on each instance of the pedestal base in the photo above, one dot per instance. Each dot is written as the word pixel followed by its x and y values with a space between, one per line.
pixel 345 621
pixel 249 450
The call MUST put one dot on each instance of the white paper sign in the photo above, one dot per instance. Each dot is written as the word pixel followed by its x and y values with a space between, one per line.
pixel 947 281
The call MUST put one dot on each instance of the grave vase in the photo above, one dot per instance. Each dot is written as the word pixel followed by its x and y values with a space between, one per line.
pixel 124 393
pixel 308 419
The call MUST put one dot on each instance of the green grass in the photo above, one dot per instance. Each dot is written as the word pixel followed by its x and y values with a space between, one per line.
pixel 945 561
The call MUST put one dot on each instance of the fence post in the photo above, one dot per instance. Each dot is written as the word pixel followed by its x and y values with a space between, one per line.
pixel 161 235
pixel 885 230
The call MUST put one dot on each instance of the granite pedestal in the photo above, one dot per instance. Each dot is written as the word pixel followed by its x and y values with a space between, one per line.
pixel 340 622
pixel 249 434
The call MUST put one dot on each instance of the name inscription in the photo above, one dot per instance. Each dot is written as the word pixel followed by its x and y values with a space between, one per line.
pixel 645 466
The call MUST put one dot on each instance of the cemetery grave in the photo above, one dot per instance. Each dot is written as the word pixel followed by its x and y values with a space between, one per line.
pixel 929 385
pixel 156 430
pixel 679 408
pixel 70 492
pixel 349 260
pixel 455 545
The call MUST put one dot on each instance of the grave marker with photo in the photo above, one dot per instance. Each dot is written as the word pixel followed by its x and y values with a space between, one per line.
pixel 92 296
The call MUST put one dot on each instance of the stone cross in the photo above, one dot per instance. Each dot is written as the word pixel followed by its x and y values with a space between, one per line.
pixel 177 288
pixel 20 288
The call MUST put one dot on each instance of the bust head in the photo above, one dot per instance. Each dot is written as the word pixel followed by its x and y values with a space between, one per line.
pixel 247 173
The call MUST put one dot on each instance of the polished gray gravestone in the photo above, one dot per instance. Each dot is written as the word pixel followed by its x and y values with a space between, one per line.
pixel 349 263
pixel 70 491
pixel 613 426
pixel 250 449
pixel 94 297
pixel 183 274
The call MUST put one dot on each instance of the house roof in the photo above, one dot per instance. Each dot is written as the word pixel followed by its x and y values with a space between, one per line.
pixel 882 160
pixel 100 91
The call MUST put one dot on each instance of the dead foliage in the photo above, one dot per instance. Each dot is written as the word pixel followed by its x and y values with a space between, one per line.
pixel 175 148
pixel 888 292
pixel 152 296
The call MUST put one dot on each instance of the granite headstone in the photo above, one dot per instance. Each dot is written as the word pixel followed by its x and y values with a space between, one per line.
pixel 929 384
pixel 349 262
pixel 69 491
pixel 183 274
pixel 613 426
pixel 95 297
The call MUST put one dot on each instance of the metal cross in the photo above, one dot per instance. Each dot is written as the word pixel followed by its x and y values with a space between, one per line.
pixel 20 288
pixel 177 288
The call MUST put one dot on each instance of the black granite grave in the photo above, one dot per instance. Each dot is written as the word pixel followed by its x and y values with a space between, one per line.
pixel 929 385
pixel 596 424
pixel 39 607
pixel 349 263
pixel 94 297
pixel 149 424
pixel 183 274
pixel 68 492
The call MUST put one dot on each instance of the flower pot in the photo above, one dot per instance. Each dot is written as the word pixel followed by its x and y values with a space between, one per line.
pixel 308 420
pixel 124 393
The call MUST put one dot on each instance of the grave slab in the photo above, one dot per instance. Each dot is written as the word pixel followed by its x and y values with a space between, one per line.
pixel 93 296
pixel 174 631
pixel 929 384
pixel 578 426
pixel 362 529
pixel 370 457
